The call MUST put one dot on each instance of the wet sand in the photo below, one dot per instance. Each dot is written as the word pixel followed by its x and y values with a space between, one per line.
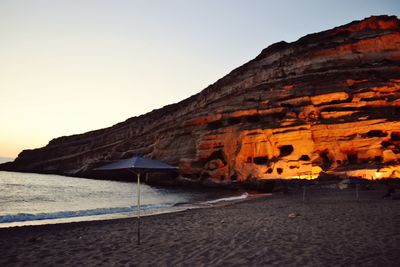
pixel 330 228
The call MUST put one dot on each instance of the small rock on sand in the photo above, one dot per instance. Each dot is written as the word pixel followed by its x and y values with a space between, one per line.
pixel 293 215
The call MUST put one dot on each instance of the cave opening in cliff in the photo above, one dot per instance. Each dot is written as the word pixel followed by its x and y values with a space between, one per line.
pixel 376 133
pixel 278 115
pixel 270 170
pixel 285 150
pixel 279 170
pixel 286 105
pixel 214 125
pixel 352 158
pixel 395 136
pixel 252 119
pixel 397 111
pixel 385 144
pixel 218 155
pixel 233 121
pixel 261 160
pixel 333 109
pixel 326 161
pixel 304 158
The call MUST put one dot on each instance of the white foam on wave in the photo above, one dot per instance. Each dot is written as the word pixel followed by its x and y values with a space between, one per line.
pixel 21 217
pixel 99 217
pixel 114 213
pixel 225 199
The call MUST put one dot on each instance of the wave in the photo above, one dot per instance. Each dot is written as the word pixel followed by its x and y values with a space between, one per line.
pixel 242 196
pixel 53 217
pixel 21 217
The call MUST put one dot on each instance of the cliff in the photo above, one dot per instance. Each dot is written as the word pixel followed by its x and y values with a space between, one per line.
pixel 328 103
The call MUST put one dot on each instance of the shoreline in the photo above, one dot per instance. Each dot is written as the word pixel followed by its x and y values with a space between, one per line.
pixel 134 214
pixel 330 228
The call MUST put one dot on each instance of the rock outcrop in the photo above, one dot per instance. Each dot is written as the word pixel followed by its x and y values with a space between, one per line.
pixel 328 103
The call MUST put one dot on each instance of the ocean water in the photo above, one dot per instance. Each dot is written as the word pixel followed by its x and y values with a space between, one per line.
pixel 28 198
pixel 4 159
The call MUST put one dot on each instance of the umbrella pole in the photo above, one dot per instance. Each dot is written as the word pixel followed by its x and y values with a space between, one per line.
pixel 138 207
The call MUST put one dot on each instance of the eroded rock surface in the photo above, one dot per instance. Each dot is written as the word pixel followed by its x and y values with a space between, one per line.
pixel 329 102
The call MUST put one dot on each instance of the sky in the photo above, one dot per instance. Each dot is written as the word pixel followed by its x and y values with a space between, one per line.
pixel 71 66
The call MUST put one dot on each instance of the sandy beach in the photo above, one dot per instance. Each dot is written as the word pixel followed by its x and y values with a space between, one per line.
pixel 331 228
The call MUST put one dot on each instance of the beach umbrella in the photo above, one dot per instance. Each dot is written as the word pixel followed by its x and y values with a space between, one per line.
pixel 137 165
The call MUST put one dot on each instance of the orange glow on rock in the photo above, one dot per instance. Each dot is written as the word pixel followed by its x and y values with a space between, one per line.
pixel 389 42
pixel 373 23
pixel 241 113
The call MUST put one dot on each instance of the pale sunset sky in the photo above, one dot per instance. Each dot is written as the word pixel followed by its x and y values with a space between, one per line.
pixel 71 66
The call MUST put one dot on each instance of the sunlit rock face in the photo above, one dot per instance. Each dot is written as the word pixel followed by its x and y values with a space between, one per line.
pixel 327 103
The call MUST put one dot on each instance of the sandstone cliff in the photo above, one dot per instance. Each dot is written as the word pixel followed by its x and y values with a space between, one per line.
pixel 327 103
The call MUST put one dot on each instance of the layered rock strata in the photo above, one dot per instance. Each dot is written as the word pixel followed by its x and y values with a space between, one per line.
pixel 328 103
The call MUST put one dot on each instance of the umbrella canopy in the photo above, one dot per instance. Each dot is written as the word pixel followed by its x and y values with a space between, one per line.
pixel 138 164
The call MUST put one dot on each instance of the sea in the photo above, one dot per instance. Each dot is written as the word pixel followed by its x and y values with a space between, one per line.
pixel 32 199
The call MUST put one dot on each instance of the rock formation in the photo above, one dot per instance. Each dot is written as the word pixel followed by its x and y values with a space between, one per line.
pixel 328 103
